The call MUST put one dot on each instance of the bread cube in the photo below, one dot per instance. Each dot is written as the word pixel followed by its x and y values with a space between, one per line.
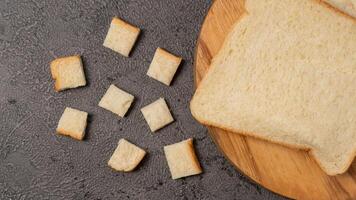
pixel 116 100
pixel 157 114
pixel 181 159
pixel 163 66
pixel 73 123
pixel 121 36
pixel 67 72
pixel 126 156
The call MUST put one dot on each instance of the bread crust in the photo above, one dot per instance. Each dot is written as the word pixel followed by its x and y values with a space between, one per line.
pixel 169 56
pixel 71 134
pixel 53 67
pixel 193 156
pixel 132 168
pixel 121 23
pixel 340 12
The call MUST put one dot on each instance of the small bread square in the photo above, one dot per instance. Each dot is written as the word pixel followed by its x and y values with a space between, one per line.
pixel 157 114
pixel 67 72
pixel 126 156
pixel 116 101
pixel 73 123
pixel 181 159
pixel 163 66
pixel 121 36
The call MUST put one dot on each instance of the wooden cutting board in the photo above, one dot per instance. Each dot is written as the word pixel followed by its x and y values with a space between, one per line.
pixel 286 171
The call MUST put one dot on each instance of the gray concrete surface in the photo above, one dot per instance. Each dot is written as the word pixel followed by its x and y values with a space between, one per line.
pixel 35 163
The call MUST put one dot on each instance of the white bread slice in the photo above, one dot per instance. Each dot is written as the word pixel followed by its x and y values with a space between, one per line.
pixel 73 123
pixel 126 156
pixel 157 114
pixel 67 72
pixel 346 6
pixel 116 100
pixel 163 66
pixel 121 36
pixel 182 160
pixel 287 73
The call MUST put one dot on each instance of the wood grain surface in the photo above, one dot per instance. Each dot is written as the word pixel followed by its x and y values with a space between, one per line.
pixel 286 171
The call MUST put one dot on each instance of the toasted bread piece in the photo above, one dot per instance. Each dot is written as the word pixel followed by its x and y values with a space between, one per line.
pixel 67 72
pixel 116 100
pixel 157 114
pixel 163 66
pixel 73 123
pixel 121 36
pixel 126 156
pixel 182 160
pixel 287 73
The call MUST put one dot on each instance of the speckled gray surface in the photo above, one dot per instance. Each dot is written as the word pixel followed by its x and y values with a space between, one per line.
pixel 35 163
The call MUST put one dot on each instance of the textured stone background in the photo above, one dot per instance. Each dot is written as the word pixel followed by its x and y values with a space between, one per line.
pixel 35 163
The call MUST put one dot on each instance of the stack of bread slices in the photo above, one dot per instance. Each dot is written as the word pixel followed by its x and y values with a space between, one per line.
pixel 287 74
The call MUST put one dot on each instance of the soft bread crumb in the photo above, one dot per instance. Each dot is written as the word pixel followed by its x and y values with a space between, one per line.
pixel 67 72
pixel 163 66
pixel 287 73
pixel 126 156
pixel 116 100
pixel 157 114
pixel 121 36
pixel 73 123
pixel 182 160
